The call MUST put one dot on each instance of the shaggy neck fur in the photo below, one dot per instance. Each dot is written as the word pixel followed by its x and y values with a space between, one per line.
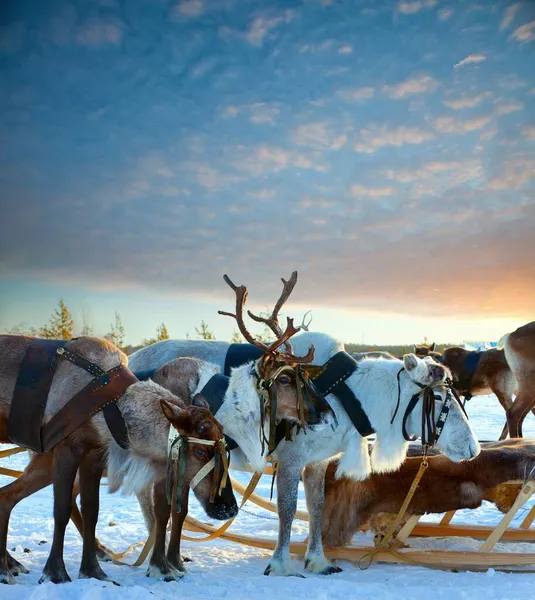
pixel 240 415
pixel 143 462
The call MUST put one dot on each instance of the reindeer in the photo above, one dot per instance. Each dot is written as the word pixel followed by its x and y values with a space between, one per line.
pixel 142 406
pixel 519 348
pixel 373 386
pixel 446 486
pixel 476 373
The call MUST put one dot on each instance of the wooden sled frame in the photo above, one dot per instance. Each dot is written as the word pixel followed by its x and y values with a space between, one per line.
pixel 481 559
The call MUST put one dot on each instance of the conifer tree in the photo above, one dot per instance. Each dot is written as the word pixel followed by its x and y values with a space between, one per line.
pixel 60 325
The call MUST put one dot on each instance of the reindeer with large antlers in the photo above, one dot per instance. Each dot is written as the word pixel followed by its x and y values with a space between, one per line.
pixel 373 386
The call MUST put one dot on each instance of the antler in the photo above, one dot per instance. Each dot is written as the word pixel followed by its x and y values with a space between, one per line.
pixel 241 298
pixel 272 322
pixel 284 337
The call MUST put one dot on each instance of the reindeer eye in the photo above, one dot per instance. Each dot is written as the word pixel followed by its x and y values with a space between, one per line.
pixel 202 429
pixel 284 379
pixel 200 452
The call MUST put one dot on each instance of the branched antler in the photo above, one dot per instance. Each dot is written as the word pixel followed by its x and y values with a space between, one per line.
pixel 241 298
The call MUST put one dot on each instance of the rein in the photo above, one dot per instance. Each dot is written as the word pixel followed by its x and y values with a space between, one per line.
pixel 176 467
pixel 267 393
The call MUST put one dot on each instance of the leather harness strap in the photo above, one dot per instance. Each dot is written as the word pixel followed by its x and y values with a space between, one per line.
pixel 101 394
pixel 31 392
pixel 37 370
pixel 239 354
pixel 332 380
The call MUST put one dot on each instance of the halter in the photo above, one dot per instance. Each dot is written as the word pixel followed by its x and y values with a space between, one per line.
pixel 307 396
pixel 431 427
pixel 176 466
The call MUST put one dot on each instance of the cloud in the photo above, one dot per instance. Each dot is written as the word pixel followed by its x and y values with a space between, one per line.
pixel 97 33
pixel 318 135
pixel 346 49
pixel 504 108
pixel 259 113
pixel 470 59
pixel 210 178
pixel 358 190
pixel 453 125
pixel 189 8
pixel 262 194
pixel 525 33
pixel 260 27
pixel 452 172
pixel 376 137
pixel 509 15
pixel 357 94
pixel 445 13
pixel 468 102
pixel 316 203
pixel 529 133
pixel 414 6
pixel 514 174
pixel 420 84
pixel 264 159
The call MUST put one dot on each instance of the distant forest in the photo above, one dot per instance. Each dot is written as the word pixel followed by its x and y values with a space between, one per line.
pixel 61 325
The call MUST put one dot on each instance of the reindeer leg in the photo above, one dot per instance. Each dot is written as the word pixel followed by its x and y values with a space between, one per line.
pixel 64 472
pixel 173 551
pixel 314 481
pixel 506 403
pixel 517 413
pixel 36 476
pixel 90 471
pixel 159 566
pixel 287 486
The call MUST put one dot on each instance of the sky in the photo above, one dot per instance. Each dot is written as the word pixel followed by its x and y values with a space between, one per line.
pixel 385 150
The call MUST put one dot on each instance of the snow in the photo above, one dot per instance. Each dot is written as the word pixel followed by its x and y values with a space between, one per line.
pixel 224 570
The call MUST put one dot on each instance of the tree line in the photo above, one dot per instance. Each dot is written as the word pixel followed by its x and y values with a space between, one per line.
pixel 61 326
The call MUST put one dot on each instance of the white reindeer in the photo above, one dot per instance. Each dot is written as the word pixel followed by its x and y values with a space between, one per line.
pixel 375 384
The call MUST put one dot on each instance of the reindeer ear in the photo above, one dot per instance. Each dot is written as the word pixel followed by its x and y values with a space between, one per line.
pixel 432 347
pixel 200 401
pixel 410 361
pixel 172 412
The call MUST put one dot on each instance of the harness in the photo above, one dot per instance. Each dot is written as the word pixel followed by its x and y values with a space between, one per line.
pixel 431 427
pixel 214 393
pixel 470 365
pixel 30 396
pixel 239 354
pixel 332 380
pixel 176 467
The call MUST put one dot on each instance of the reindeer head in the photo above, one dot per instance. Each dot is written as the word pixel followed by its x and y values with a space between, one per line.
pixel 445 415
pixel 424 350
pixel 196 422
pixel 277 377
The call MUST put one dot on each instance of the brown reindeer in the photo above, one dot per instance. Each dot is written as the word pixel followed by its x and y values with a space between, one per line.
pixel 86 447
pixel 519 348
pixel 445 486
pixel 477 373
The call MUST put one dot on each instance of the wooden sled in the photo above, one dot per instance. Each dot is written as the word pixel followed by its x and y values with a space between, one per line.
pixel 479 560
pixel 456 560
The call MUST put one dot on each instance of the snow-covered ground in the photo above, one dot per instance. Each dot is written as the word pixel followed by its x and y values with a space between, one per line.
pixel 224 570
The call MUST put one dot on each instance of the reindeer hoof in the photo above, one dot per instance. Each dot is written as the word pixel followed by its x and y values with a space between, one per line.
pixel 14 566
pixel 321 566
pixel 331 570
pixel 277 571
pixel 95 572
pixel 55 578
pixel 7 578
pixel 164 573
pixel 186 559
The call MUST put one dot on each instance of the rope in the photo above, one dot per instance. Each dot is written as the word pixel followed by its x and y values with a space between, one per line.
pixel 385 541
